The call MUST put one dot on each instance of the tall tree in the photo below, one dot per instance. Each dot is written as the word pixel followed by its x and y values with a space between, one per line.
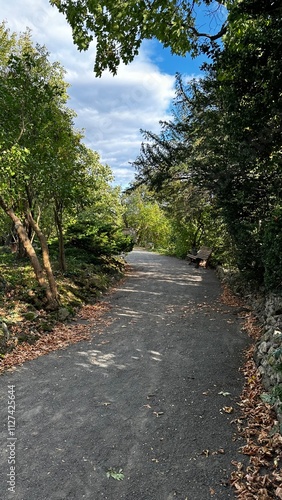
pixel 249 73
pixel 32 92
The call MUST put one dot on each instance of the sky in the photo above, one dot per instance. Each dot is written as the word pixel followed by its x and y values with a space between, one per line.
pixel 111 110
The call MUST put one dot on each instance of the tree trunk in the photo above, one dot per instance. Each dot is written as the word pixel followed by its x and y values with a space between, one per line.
pixel 46 260
pixel 29 250
pixel 59 225
pixel 26 243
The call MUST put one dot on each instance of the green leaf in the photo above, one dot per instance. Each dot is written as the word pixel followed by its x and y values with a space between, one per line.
pixel 267 398
pixel 117 475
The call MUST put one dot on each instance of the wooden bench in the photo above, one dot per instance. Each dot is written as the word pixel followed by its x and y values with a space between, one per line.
pixel 202 255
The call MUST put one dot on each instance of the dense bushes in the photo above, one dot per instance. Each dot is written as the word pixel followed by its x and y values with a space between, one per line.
pixel 272 252
pixel 103 239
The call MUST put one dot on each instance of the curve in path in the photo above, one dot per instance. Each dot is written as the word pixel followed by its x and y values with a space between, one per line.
pixel 151 396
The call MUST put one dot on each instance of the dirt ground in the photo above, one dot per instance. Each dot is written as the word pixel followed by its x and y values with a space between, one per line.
pixel 142 411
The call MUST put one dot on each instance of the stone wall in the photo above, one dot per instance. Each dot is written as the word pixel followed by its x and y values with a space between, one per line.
pixel 269 350
pixel 268 354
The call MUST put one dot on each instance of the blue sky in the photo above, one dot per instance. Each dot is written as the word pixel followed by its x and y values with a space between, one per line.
pixel 110 110
pixel 171 64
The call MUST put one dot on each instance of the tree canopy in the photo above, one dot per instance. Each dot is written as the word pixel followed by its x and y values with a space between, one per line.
pixel 119 27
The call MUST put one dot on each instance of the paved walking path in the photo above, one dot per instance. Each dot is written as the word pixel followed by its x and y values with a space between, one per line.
pixel 143 396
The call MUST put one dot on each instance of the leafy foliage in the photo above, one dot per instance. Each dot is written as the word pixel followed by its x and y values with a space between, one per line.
pixel 99 239
pixel 225 139
pixel 120 27
pixel 146 218
pixel 272 251
pixel 47 175
pixel 22 300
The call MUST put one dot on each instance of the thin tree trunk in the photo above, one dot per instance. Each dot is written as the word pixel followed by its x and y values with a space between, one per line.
pixel 28 247
pixel 59 225
pixel 46 260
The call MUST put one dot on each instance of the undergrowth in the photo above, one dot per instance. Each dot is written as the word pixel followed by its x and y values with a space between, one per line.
pixel 23 317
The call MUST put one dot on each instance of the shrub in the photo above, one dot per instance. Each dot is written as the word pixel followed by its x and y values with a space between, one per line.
pixel 272 252
pixel 101 240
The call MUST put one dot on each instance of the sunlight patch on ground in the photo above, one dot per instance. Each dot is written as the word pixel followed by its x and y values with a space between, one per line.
pixel 193 281
pixel 130 313
pixel 97 358
pixel 134 315
pixel 138 291
pixel 156 355
pixel 181 279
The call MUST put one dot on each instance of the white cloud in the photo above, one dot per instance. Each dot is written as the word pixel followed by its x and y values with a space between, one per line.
pixel 111 110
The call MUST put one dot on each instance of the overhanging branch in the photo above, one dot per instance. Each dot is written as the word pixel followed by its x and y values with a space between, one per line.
pixel 212 38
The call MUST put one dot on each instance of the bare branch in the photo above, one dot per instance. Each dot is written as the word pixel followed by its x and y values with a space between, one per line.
pixel 212 38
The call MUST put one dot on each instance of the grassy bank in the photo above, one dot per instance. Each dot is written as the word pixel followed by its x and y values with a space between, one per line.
pixel 23 317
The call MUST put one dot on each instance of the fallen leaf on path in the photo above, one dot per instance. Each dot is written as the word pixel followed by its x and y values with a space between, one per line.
pixel 251 326
pixel 278 492
pixel 221 451
pixel 260 479
pixel 228 409
pixel 228 298
pixel 90 311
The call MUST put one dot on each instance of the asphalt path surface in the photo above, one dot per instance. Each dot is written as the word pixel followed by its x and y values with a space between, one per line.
pixel 149 398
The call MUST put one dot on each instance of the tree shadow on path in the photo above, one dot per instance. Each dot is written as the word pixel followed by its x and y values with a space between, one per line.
pixel 153 392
